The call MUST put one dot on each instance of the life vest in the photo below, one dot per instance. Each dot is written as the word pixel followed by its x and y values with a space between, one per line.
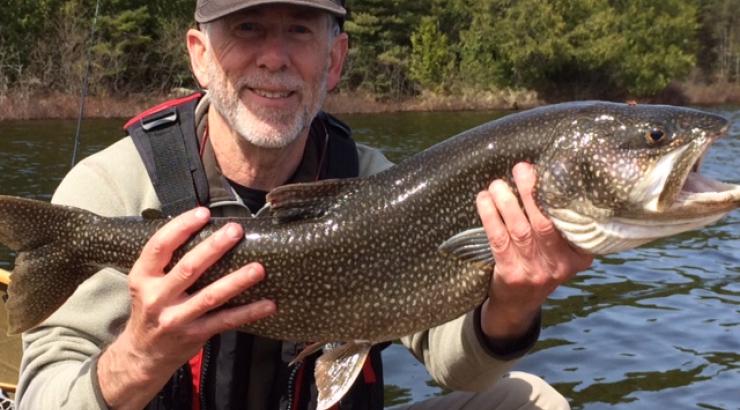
pixel 167 141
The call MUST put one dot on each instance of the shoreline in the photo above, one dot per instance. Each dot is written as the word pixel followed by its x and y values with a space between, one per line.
pixel 26 106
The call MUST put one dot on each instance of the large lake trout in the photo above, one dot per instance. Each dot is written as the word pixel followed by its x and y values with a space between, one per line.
pixel 373 259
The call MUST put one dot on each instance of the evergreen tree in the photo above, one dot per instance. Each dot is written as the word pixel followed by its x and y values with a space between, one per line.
pixel 22 23
pixel 481 64
pixel 565 48
pixel 432 62
pixel 122 47
pixel 659 44
pixel 380 33
pixel 719 55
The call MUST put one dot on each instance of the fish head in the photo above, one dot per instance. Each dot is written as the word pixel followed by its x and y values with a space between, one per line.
pixel 617 176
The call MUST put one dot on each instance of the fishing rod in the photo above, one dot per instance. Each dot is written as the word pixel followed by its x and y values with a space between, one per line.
pixel 85 84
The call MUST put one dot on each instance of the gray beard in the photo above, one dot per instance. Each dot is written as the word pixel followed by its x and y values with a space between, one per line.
pixel 263 128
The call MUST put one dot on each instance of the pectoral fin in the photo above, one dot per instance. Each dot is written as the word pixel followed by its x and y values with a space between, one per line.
pixel 336 371
pixel 470 246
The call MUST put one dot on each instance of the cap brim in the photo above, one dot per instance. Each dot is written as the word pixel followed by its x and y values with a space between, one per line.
pixel 213 11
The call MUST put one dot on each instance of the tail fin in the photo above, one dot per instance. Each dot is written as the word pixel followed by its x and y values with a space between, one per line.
pixel 47 267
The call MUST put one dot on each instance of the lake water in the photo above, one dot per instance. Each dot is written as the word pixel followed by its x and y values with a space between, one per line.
pixel 653 328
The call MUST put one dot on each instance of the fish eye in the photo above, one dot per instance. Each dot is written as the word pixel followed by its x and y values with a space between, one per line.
pixel 655 135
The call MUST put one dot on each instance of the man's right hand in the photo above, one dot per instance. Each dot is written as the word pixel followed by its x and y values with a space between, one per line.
pixel 168 326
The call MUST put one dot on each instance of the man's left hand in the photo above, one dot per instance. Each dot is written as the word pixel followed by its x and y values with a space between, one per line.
pixel 532 258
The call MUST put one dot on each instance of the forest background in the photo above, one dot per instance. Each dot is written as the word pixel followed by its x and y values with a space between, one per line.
pixel 405 55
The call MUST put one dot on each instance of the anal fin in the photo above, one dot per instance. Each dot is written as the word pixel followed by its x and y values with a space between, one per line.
pixel 307 351
pixel 336 371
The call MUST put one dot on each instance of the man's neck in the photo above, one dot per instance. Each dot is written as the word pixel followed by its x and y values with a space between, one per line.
pixel 249 165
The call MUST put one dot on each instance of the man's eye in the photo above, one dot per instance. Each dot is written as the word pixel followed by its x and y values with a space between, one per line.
pixel 247 27
pixel 299 29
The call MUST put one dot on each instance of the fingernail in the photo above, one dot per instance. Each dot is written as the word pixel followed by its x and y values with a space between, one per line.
pixel 250 271
pixel 267 306
pixel 521 169
pixel 233 231
pixel 516 172
pixel 253 273
pixel 500 184
pixel 201 213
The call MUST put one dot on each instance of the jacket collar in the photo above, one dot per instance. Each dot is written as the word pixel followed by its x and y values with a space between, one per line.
pixel 222 194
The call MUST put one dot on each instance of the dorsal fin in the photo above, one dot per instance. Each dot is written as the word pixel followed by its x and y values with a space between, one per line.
pixel 308 200
pixel 151 214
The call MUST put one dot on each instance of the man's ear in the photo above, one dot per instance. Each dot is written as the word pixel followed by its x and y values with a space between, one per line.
pixel 338 54
pixel 197 48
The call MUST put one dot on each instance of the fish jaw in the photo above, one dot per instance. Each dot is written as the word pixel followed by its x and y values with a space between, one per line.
pixel 700 193
pixel 619 234
pixel 700 202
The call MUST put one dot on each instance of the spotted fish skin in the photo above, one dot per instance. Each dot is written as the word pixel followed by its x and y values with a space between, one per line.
pixel 361 259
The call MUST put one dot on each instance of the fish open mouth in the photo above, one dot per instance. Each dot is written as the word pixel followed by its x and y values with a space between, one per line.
pixel 700 189
pixel 699 194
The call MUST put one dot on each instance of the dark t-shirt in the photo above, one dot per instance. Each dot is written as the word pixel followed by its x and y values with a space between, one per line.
pixel 254 199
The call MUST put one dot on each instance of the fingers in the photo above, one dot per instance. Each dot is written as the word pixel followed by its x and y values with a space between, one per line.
pixel 498 235
pixel 525 179
pixel 239 316
pixel 161 300
pixel 201 257
pixel 523 226
pixel 524 234
pixel 158 251
pixel 513 216
pixel 522 238
pixel 508 229
pixel 166 325
pixel 218 293
pixel 544 229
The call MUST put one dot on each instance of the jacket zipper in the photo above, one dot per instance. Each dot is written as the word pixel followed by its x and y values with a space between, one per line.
pixel 203 370
pixel 293 388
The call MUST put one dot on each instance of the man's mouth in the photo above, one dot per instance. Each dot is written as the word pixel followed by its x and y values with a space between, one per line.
pixel 272 94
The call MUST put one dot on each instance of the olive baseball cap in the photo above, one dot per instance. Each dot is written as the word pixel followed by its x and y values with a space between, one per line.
pixel 209 10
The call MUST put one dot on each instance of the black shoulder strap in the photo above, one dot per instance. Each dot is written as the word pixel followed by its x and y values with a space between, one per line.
pixel 342 160
pixel 168 145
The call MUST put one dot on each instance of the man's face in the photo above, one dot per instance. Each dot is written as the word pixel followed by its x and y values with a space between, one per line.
pixel 267 71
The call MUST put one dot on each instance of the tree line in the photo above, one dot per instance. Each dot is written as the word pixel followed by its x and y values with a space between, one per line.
pixel 399 48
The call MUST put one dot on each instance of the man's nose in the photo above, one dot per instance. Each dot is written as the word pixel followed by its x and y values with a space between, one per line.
pixel 274 54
